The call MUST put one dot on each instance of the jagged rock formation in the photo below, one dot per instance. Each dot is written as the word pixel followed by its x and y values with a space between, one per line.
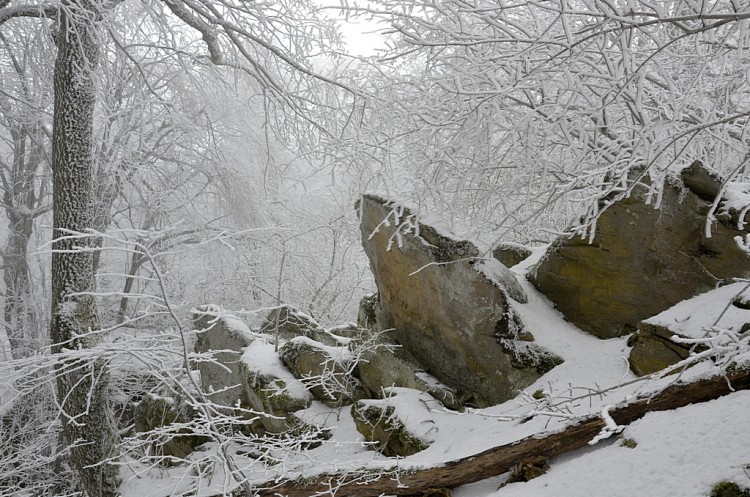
pixel 382 368
pixel 643 260
pixel 452 312
pixel 242 377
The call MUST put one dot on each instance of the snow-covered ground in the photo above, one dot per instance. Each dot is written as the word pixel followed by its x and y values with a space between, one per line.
pixel 683 452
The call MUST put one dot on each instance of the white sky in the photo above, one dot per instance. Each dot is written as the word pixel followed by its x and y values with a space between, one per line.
pixel 360 37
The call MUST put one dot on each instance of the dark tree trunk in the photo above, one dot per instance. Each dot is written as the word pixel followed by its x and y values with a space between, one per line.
pixel 82 384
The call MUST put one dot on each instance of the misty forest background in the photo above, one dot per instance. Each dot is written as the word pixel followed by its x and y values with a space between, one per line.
pixel 158 155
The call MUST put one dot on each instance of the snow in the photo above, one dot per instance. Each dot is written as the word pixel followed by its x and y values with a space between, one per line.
pixel 694 317
pixel 736 197
pixel 260 357
pixel 682 452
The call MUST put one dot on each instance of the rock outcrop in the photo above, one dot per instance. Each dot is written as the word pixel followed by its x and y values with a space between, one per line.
pixel 382 368
pixel 324 370
pixel 643 259
pixel 271 390
pixel 246 375
pixel 395 425
pixel 223 336
pixel 447 309
pixel 704 316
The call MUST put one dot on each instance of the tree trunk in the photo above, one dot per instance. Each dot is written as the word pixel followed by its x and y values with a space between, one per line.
pixel 498 460
pixel 82 382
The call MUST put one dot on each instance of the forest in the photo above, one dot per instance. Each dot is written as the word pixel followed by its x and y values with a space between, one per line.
pixel 162 160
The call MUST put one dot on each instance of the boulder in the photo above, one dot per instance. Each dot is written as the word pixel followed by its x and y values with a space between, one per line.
pixel 271 390
pixel 654 350
pixel 247 375
pixel 643 258
pixel 164 419
pixel 398 425
pixel 382 368
pixel 445 306
pixel 322 369
pixel 509 254
pixel 292 322
pixel 223 336
pixel 723 308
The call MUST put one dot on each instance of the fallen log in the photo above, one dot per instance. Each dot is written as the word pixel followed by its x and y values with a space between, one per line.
pixel 498 460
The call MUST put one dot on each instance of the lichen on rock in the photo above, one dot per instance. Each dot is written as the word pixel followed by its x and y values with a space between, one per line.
pixel 643 258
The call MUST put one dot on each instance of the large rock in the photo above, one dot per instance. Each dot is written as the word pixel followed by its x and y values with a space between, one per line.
pixel 510 254
pixel 223 337
pixel 324 370
pixel 654 346
pixel 380 368
pixel 448 309
pixel 247 376
pixel 399 425
pixel 289 322
pixel 643 260
pixel 270 389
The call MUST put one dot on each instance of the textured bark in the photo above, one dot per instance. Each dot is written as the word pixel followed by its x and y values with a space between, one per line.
pixel 498 460
pixel 82 388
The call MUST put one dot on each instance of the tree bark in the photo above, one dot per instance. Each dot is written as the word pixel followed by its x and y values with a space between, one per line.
pixel 498 460
pixel 82 383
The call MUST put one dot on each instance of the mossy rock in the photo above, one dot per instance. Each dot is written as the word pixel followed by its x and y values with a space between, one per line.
pixel 729 489
pixel 153 412
pixel 324 376
pixel 380 424
pixel 273 400
pixel 653 349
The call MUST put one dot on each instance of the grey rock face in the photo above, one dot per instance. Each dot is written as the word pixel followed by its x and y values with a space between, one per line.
pixel 235 382
pixel 642 260
pixel 222 379
pixel 446 309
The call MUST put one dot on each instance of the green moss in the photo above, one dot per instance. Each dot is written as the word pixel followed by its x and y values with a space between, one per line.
pixel 380 425
pixel 729 489
pixel 629 443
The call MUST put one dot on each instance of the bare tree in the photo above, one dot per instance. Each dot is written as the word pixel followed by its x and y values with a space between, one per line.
pixel 270 43
pixel 506 111
pixel 24 111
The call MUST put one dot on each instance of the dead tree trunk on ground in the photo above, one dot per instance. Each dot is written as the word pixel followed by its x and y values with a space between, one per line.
pixel 498 460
